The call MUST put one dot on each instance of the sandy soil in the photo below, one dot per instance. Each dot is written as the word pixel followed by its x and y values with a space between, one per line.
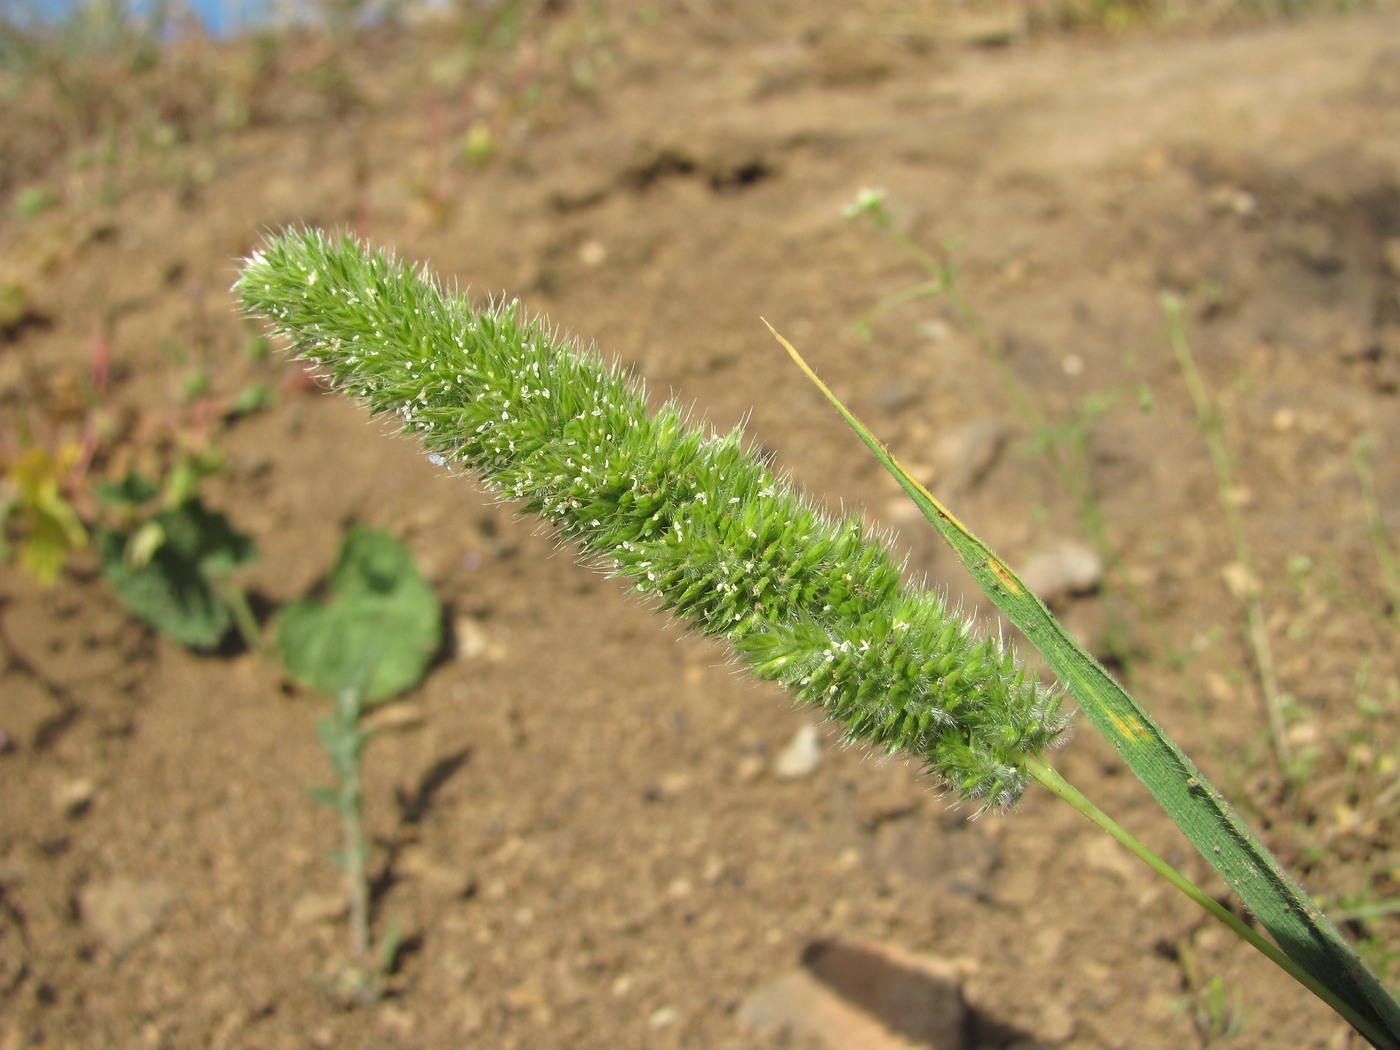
pixel 577 818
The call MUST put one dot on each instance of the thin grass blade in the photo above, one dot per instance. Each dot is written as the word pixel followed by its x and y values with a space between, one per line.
pixel 1208 820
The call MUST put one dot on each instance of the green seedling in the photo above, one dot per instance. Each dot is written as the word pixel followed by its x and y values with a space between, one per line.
pixel 1213 1013
pixel 1382 543
pixel 33 200
pixel 1246 588
pixel 259 394
pixel 1366 915
pixel 372 637
pixel 1214 1016
pixel 172 565
pixel 364 974
pixel 697 522
pixel 942 272
pixel 251 399
pixel 377 602
pixel 1217 1016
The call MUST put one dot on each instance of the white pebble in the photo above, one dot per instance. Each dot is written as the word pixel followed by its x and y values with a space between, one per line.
pixel 802 755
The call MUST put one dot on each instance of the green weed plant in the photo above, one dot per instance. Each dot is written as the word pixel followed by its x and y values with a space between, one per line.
pixel 165 555
pixel 369 638
pixel 173 563
pixel 697 522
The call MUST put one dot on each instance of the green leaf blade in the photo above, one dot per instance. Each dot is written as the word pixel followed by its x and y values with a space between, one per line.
pixel 1207 819
pixel 174 589
pixel 378 630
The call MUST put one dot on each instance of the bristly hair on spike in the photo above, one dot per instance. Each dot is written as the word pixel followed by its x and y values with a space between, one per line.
pixel 692 518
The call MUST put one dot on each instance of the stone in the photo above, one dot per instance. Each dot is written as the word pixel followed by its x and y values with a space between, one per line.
pixel 473 642
pixel 397 716
pixel 965 455
pixel 73 798
pixel 1063 570
pixel 802 755
pixel 863 995
pixel 313 908
pixel 121 912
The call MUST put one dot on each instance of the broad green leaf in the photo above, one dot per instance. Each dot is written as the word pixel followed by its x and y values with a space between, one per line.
pixel 176 586
pixel 381 623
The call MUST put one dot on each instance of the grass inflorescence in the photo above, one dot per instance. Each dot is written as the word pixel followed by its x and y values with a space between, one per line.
pixel 690 516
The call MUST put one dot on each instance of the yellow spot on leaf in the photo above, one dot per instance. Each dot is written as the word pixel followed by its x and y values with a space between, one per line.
pixel 1129 730
pixel 1002 573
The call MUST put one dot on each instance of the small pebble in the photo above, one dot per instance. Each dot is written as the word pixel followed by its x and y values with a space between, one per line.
pixel 862 994
pixel 120 912
pixel 1239 581
pixel 397 716
pixel 1063 570
pixel 73 798
pixel 662 1018
pixel 749 769
pixel 592 253
pixel 801 757
pixel 896 395
pixel 472 639
pixel 313 908
pixel 964 456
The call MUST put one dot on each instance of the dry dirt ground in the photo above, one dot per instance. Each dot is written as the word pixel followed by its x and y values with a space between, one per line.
pixel 577 818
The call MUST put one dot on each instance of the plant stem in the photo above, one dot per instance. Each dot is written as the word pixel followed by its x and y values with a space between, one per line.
pixel 243 618
pixel 1070 471
pixel 361 978
pixel 1296 923
pixel 1051 779
pixel 1256 627
pixel 347 713
pixel 1380 538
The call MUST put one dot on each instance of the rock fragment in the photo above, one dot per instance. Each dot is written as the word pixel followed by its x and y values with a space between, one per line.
pixel 1063 570
pixel 121 912
pixel 863 995
pixel 802 755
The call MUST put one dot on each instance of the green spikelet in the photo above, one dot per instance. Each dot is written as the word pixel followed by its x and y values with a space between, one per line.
pixel 689 516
